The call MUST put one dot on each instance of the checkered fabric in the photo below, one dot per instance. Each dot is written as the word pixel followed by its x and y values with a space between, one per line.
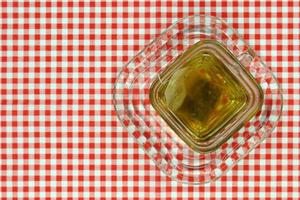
pixel 60 137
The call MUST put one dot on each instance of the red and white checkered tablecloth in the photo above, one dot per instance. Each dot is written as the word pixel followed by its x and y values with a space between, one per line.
pixel 60 137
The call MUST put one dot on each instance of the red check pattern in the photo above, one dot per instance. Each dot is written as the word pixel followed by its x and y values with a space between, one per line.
pixel 60 137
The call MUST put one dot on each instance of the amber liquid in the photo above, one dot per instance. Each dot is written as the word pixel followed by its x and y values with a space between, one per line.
pixel 203 94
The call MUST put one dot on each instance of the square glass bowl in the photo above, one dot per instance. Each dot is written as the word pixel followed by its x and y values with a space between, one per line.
pixel 196 141
pixel 206 95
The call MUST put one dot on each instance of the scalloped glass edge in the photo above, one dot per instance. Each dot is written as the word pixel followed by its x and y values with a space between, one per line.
pixel 118 102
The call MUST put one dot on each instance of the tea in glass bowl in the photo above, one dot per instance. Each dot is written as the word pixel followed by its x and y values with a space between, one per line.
pixel 201 95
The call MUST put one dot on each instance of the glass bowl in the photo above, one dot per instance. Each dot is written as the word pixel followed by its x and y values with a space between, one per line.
pixel 155 134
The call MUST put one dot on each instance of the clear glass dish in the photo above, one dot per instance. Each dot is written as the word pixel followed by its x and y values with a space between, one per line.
pixel 175 155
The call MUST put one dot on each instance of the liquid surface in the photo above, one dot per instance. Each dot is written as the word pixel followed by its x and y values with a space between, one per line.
pixel 203 94
pixel 206 95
